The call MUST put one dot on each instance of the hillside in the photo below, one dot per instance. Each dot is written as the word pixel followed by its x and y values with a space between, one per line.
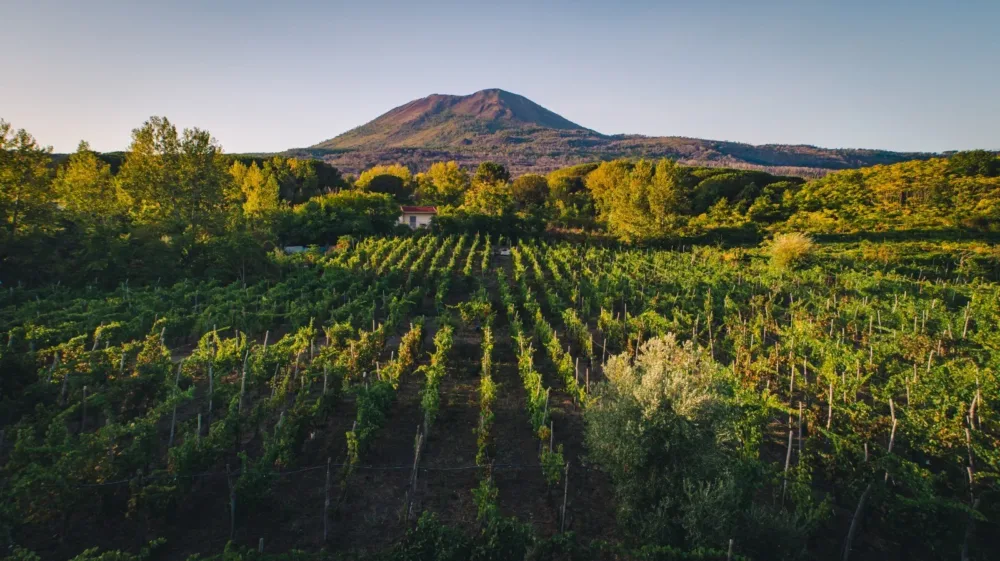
pixel 508 128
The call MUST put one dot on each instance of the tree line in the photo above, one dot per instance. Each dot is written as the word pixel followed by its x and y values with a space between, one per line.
pixel 174 203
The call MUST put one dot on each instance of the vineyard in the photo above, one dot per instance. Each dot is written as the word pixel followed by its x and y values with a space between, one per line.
pixel 425 397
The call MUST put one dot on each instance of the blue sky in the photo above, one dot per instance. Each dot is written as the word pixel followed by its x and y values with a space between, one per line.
pixel 266 76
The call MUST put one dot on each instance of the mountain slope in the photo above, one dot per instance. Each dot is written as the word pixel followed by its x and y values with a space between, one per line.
pixel 508 128
pixel 440 121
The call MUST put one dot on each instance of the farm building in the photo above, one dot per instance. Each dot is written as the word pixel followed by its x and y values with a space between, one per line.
pixel 417 216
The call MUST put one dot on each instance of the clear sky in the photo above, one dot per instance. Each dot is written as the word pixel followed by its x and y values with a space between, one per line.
pixel 267 76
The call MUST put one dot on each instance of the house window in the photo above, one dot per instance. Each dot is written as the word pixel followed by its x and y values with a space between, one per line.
pixel 413 221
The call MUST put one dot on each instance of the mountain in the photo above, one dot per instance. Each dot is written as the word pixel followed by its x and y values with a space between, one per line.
pixel 511 129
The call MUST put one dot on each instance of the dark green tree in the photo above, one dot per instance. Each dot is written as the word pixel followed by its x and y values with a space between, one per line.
pixel 529 190
pixel 491 172
pixel 391 185
pixel 973 163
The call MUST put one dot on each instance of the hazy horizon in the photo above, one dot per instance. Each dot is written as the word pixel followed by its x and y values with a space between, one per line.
pixel 904 76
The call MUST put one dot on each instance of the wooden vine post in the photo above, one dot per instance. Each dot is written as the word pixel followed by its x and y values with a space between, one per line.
pixel 232 502
pixel 173 416
pixel 211 377
pixel 83 419
pixel 326 503
pixel 788 463
pixel 562 522
pixel 411 493
pixel 243 384
pixel 856 519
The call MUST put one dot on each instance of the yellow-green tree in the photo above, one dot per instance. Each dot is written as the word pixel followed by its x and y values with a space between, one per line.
pixel 639 200
pixel 86 188
pixel 445 183
pixel 259 193
pixel 572 203
pixel 25 180
pixel 175 181
pixel 398 170
pixel 489 198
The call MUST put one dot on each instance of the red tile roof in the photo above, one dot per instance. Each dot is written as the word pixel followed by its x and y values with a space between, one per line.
pixel 419 209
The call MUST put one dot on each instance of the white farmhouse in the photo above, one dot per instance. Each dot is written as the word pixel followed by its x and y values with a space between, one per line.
pixel 417 216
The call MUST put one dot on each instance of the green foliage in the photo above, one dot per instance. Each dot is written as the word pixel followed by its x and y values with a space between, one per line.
pixel 173 180
pixel 323 219
pixel 259 193
pixel 435 371
pixel 974 163
pixel 298 180
pixel 553 464
pixel 638 201
pixel 444 183
pixel 430 540
pixel 86 189
pixel 391 185
pixel 530 190
pixel 147 552
pixel 571 200
pixel 659 427
pixel 487 397
pixel 491 172
pixel 919 195
pixel 25 191
pixel 399 171
pixel 489 199
pixel 713 353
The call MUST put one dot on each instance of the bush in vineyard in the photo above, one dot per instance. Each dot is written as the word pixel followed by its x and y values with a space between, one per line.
pixel 663 428
pixel 791 250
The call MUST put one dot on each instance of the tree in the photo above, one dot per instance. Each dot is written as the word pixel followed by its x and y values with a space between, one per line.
pixel 309 178
pixel 973 163
pixel 654 427
pixel 445 183
pixel 491 172
pixel 86 188
pixel 391 185
pixel 489 198
pixel 639 201
pixel 298 180
pixel 530 190
pixel 667 195
pixel 398 170
pixel 664 427
pixel 572 203
pixel 323 219
pixel 175 182
pixel 205 183
pixel 259 190
pixel 25 180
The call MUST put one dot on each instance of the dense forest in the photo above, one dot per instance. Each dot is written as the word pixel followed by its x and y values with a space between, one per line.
pixel 663 363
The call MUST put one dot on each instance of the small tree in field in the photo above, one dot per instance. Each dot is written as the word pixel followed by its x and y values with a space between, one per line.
pixel 653 427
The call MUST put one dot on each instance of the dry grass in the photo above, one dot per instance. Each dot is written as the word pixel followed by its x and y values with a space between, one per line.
pixel 791 250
